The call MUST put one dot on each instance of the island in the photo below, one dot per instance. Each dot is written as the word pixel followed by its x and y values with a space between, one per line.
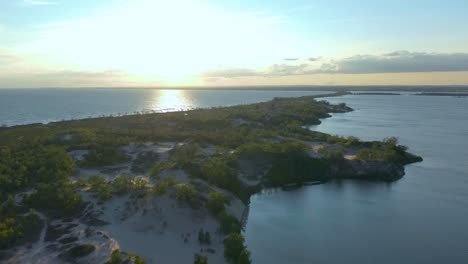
pixel 168 187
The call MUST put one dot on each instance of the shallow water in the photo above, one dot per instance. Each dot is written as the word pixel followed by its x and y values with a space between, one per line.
pixel 24 106
pixel 422 218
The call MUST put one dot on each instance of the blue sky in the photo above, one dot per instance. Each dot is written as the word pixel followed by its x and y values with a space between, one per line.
pixel 143 42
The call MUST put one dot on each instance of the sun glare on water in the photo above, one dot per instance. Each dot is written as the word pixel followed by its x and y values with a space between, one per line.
pixel 171 100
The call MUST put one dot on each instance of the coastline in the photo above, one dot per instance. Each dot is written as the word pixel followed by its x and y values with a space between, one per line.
pixel 270 145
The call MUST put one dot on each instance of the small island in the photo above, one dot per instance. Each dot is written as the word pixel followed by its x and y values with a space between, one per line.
pixel 168 187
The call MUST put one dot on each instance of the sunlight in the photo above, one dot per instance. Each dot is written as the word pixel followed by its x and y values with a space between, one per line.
pixel 171 100
pixel 168 40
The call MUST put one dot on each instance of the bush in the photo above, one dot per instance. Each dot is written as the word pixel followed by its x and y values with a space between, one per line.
pixel 80 251
pixel 199 259
pixel 161 186
pixel 228 223
pixel 233 246
pixel 103 156
pixel 144 161
pixel 244 257
pixel 126 183
pixel 100 186
pixel 186 193
pixel 116 257
pixel 216 202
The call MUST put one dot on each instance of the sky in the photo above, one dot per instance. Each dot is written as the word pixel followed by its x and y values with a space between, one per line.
pixel 109 43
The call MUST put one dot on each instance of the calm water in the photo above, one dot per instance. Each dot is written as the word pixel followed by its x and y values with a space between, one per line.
pixel 422 218
pixel 24 106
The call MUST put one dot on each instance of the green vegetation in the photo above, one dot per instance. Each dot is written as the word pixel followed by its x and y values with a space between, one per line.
pixel 116 257
pixel 79 251
pixel 199 259
pixel 100 187
pixel 296 168
pixel 121 184
pixel 216 202
pixel 161 186
pixel 144 161
pixel 103 156
pixel 235 250
pixel 34 160
pixel 388 150
pixel 186 193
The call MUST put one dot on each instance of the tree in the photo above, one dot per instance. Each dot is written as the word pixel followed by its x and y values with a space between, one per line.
pixel 233 246
pixel 216 202
pixel 244 257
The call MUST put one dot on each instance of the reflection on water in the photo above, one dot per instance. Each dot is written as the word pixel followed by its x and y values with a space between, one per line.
pixel 171 100
pixel 23 106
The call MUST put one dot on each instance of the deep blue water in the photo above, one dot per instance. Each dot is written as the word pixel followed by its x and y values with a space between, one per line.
pixel 422 218
pixel 24 106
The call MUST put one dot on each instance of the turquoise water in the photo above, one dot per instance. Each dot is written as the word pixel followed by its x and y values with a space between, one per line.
pixel 422 218
pixel 24 106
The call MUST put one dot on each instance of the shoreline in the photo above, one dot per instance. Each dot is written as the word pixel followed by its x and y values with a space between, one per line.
pixel 234 151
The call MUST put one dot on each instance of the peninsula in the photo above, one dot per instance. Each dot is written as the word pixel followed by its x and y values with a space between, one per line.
pixel 167 187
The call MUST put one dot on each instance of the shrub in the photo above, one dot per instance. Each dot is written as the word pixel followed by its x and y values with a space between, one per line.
pixel 186 193
pixel 199 259
pixel 103 156
pixel 161 186
pixel 233 246
pixel 216 202
pixel 144 161
pixel 228 223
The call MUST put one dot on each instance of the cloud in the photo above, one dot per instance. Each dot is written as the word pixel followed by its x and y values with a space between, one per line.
pixel 394 62
pixel 291 59
pixel 225 72
pixel 71 78
pixel 399 62
pixel 38 2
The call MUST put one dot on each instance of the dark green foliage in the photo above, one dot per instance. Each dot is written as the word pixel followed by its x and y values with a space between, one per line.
pixel 100 187
pixel 144 161
pixel 60 199
pixel 334 155
pixel 388 150
pixel 228 223
pixel 161 186
pixel 199 259
pixel 68 240
pixel 186 193
pixel 296 168
pixel 22 167
pixel 79 251
pixel 272 148
pixel 233 246
pixel 216 202
pixel 102 156
pixel 244 257
pixel 222 172
pixel 116 257
pixel 126 183
pixel 160 167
